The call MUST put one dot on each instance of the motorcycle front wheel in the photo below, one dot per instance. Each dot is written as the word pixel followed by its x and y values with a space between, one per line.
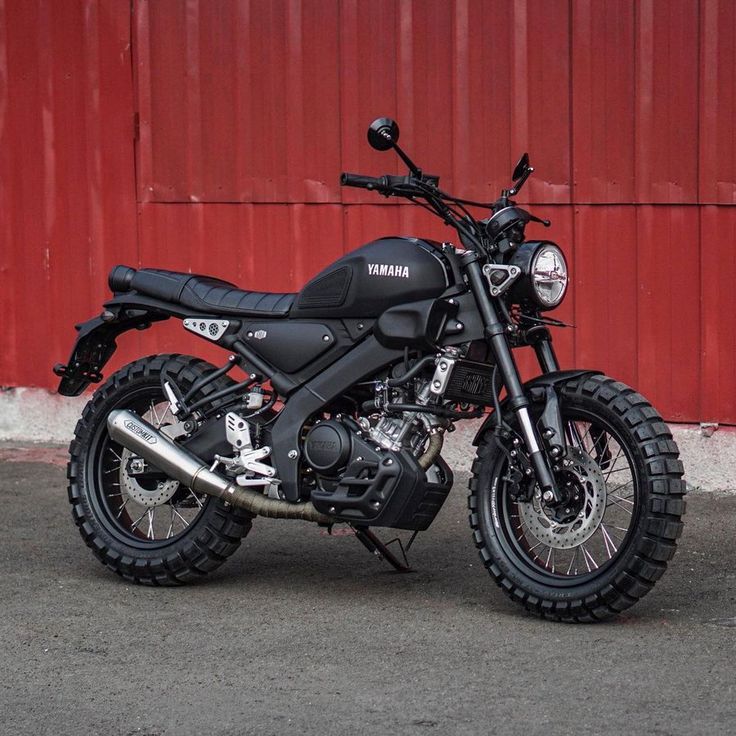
pixel 602 550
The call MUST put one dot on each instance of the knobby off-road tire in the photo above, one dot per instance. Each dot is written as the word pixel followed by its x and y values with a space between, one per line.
pixel 159 555
pixel 586 586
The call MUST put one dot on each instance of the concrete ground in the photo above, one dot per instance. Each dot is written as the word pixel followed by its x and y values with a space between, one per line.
pixel 303 633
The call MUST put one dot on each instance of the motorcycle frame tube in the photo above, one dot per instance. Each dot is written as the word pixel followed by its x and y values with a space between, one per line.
pixel 518 402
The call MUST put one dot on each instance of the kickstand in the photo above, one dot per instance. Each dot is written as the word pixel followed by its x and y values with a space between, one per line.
pixel 374 545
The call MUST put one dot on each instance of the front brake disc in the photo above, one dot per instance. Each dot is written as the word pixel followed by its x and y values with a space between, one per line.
pixel 588 477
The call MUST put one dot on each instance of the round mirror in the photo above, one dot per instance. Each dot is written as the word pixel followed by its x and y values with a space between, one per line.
pixel 521 167
pixel 383 133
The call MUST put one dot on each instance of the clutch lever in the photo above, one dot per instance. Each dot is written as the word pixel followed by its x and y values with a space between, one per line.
pixel 534 218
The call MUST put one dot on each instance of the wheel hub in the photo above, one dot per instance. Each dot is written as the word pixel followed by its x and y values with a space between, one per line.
pixel 576 518
pixel 147 492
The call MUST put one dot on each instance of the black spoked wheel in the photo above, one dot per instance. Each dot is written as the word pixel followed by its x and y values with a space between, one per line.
pixel 602 549
pixel 145 507
pixel 584 536
pixel 140 523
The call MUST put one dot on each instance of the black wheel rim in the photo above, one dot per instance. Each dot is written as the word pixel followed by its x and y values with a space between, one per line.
pixel 117 499
pixel 541 558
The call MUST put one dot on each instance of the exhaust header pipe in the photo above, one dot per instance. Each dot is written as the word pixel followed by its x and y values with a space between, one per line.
pixel 143 439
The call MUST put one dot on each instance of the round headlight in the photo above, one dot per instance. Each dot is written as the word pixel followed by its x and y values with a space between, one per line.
pixel 548 275
pixel 544 282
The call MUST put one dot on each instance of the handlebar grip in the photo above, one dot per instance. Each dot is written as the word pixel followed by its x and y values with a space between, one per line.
pixel 362 182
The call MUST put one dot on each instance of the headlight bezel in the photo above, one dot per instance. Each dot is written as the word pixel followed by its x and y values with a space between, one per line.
pixel 526 288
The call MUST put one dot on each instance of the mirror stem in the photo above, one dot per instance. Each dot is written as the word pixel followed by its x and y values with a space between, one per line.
pixel 412 166
pixel 519 184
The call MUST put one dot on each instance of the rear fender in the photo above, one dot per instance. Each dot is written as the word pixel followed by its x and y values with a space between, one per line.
pixel 536 389
pixel 96 343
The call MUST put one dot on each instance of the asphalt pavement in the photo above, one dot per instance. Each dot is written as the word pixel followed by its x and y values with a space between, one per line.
pixel 304 633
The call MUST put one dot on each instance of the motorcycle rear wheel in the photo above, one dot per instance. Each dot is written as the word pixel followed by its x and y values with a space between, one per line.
pixel 623 521
pixel 147 530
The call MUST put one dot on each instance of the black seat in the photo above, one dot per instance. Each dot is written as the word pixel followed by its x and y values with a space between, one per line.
pixel 200 293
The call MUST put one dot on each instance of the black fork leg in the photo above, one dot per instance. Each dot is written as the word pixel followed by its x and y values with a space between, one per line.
pixel 518 402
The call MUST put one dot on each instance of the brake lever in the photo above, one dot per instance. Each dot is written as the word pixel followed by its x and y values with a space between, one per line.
pixel 534 218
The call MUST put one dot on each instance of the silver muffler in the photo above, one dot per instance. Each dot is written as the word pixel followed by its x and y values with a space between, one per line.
pixel 144 440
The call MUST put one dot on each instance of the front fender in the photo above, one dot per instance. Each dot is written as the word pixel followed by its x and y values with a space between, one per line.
pixel 539 382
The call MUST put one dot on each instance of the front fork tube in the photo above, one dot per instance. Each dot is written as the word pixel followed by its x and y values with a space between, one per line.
pixel 548 363
pixel 495 332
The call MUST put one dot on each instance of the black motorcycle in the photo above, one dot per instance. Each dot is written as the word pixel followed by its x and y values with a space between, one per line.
pixel 344 394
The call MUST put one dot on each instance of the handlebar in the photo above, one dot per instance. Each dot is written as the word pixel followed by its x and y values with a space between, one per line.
pixel 401 186
pixel 423 190
pixel 388 184
pixel 363 182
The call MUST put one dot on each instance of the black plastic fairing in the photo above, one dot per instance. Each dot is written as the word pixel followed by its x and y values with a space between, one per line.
pixel 287 344
pixel 417 325
pixel 466 325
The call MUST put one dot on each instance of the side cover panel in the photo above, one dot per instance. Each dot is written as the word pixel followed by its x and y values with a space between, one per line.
pixel 288 344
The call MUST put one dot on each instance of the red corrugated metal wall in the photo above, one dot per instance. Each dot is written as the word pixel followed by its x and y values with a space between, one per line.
pixel 248 111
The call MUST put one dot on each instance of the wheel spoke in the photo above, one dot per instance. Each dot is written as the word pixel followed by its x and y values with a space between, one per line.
pixel 154 415
pixel 184 521
pixel 618 488
pixel 620 470
pixel 613 463
pixel 608 541
pixel 138 520
pixel 580 439
pixel 588 558
pixel 194 496
pixel 616 501
pixel 122 508
pixel 166 411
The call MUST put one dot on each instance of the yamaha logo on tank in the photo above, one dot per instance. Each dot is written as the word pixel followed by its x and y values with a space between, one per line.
pixel 388 269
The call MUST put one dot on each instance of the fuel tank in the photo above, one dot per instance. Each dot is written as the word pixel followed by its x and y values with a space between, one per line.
pixel 376 276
